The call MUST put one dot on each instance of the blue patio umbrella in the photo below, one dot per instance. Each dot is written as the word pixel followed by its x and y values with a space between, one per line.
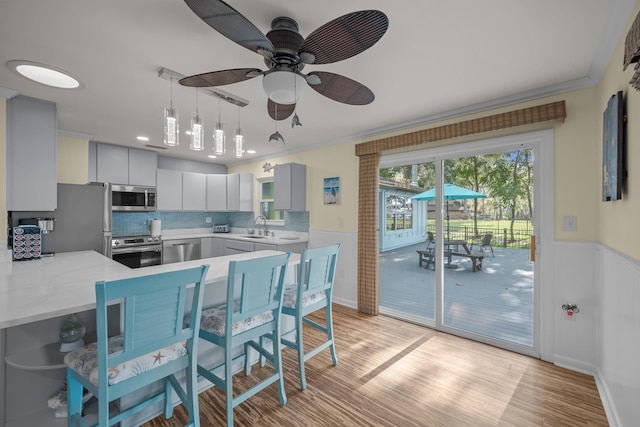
pixel 451 192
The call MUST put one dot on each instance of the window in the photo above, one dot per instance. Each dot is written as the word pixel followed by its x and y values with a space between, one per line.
pixel 265 202
pixel 399 211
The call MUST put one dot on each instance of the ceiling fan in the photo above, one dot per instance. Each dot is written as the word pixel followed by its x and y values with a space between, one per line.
pixel 286 53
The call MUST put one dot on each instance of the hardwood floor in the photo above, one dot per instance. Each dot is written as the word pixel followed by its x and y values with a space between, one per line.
pixel 392 373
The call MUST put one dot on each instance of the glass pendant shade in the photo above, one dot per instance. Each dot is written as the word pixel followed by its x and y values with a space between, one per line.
pixel 219 147
pixel 238 141
pixel 284 87
pixel 171 127
pixel 197 133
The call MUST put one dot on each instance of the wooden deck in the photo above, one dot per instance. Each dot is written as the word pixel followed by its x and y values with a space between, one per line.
pixel 496 301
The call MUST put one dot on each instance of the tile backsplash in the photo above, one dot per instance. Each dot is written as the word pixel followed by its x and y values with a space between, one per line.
pixel 137 223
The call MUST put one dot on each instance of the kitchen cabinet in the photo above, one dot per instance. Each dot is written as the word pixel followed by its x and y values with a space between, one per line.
pixel 217 192
pixel 290 187
pixel 128 166
pixel 297 248
pixel 194 191
pixel 31 155
pixel 240 192
pixel 211 247
pixel 231 247
pixel 169 190
pixel 142 167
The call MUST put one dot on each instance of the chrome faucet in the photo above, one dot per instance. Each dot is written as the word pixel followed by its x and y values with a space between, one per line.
pixel 265 230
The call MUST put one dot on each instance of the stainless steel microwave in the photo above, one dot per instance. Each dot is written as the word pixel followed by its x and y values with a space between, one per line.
pixel 133 198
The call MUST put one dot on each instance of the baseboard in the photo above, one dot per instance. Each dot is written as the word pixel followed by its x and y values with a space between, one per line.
pixel 574 365
pixel 605 398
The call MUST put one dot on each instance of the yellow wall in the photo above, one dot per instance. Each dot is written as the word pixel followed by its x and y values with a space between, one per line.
pixel 618 224
pixel 575 178
pixel 73 160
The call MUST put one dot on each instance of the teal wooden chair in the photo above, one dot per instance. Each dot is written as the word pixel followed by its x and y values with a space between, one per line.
pixel 313 291
pixel 155 345
pixel 252 310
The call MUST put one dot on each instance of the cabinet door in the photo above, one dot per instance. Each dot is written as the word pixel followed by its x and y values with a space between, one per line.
pixel 211 247
pixel 232 247
pixel 31 155
pixel 113 164
pixel 169 188
pixel 290 187
pixel 194 191
pixel 142 167
pixel 264 247
pixel 240 192
pixel 217 192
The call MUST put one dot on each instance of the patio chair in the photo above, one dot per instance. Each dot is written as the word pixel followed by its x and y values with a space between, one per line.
pixel 486 242
pixel 431 241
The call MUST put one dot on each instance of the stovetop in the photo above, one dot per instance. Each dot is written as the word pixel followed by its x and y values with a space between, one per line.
pixel 119 242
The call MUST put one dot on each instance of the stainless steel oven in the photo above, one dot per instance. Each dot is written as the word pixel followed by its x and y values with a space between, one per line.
pixel 137 251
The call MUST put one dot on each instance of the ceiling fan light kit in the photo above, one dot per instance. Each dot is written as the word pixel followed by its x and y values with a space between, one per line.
pixel 286 53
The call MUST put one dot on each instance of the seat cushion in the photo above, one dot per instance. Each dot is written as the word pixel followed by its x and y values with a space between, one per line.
pixel 85 360
pixel 291 294
pixel 213 320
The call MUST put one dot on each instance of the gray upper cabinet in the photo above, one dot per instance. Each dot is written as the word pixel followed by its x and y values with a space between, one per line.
pixel 122 165
pixel 194 191
pixel 240 192
pixel 142 167
pixel 217 192
pixel 169 188
pixel 112 164
pixel 290 187
pixel 31 155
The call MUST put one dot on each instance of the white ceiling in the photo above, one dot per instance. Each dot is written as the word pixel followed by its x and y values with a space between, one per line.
pixel 438 58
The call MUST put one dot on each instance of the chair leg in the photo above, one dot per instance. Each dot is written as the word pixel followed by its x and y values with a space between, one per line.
pixel 74 399
pixel 300 343
pixel 329 317
pixel 192 396
pixel 228 382
pixel 277 364
pixel 168 399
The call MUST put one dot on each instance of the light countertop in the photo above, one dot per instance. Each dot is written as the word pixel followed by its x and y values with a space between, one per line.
pixel 65 284
pixel 280 238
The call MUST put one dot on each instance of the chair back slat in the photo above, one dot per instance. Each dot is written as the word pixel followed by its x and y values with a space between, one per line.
pixel 317 268
pixel 247 279
pixel 152 313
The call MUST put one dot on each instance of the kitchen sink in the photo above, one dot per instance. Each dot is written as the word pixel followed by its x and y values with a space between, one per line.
pixel 253 236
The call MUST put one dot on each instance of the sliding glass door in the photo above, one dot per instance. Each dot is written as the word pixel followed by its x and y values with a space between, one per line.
pixel 462 263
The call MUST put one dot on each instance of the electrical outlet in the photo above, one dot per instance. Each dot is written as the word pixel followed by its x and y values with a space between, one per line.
pixel 208 220
pixel 569 223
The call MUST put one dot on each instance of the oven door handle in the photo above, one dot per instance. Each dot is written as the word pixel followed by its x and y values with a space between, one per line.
pixel 135 249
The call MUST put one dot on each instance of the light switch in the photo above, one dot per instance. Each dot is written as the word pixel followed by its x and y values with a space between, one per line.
pixel 569 223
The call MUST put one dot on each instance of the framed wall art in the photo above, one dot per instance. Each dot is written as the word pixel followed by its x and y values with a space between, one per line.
pixel 613 153
pixel 331 192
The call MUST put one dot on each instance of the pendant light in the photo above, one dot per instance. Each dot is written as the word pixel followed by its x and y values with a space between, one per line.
pixel 171 125
pixel 197 129
pixel 238 140
pixel 219 147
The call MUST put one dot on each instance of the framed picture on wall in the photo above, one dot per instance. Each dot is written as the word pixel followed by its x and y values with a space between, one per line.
pixel 614 147
pixel 331 191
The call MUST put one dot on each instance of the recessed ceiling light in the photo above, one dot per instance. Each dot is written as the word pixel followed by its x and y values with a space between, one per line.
pixel 142 138
pixel 251 151
pixel 45 74
pixel 211 156
pixel 187 132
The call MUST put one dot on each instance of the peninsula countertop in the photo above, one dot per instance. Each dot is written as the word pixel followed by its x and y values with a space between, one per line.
pixel 65 284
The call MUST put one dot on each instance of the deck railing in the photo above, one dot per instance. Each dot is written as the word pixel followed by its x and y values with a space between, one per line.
pixel 502 236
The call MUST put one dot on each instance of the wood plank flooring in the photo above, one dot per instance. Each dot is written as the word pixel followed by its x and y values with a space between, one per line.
pixel 393 373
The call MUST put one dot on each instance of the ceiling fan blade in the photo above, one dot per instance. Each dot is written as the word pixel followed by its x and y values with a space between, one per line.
pixel 280 111
pixel 342 89
pixel 345 36
pixel 231 24
pixel 220 78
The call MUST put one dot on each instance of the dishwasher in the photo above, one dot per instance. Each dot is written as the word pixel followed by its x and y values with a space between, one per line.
pixel 180 250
